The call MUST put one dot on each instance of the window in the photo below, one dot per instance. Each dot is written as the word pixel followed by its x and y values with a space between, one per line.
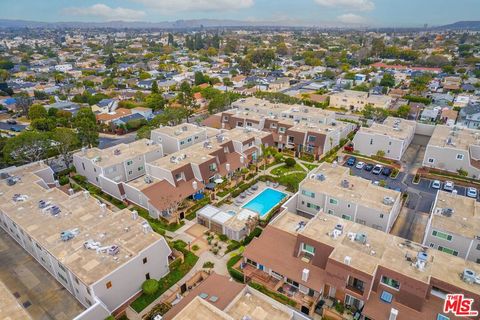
pixel 442 235
pixel 392 283
pixel 381 215
pixel 76 280
pixel 130 172
pixel 277 275
pixel 292 283
pixel 448 250
pixel 83 165
pixel 249 124
pixel 212 167
pixel 178 176
pixel 310 205
pixel 459 156
pixel 311 139
pixel 281 130
pixel 253 263
pixel 361 221
pixel 88 302
pixel 308 193
pixel 308 249
pixel 147 276
pixel 333 201
pixel 431 160
pixel 108 284
pixel 145 260
pixel 346 217
pixel 371 141
pixel 442 317
pixel 129 162
pixel 189 140
pixel 432 245
pixel 239 124
pixel 140 168
pixel 386 297
pixel 273 126
pixel 330 211
pixel 182 142
pixel 478 246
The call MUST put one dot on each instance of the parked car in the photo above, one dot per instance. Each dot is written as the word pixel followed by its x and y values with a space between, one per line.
pixel 11 121
pixel 448 186
pixel 360 165
pixel 368 167
pixel 349 147
pixel 387 171
pixel 472 192
pixel 377 169
pixel 436 184
pixel 351 161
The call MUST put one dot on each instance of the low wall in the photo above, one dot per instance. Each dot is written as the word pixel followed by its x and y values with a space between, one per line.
pixel 424 129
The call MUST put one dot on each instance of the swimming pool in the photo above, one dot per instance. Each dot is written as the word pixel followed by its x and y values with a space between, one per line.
pixel 265 201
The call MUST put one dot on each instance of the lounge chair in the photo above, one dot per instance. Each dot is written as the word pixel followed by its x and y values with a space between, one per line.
pixel 268 183
pixel 275 185
pixel 243 194
pixel 254 187
pixel 249 192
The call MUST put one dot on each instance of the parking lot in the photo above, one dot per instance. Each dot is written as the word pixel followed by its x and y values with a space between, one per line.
pixel 35 289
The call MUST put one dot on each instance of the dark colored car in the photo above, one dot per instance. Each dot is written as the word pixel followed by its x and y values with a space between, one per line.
pixel 368 167
pixel 11 121
pixel 351 161
pixel 386 171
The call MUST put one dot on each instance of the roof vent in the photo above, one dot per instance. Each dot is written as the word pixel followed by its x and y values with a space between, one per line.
pixel 361 238
pixel 305 274
pixel 184 128
pixel 345 183
pixel 321 177
pixel 447 212
pixel 347 260
pixel 117 152
pixel 148 179
pixel 388 201
pixel 469 276
pixel 134 214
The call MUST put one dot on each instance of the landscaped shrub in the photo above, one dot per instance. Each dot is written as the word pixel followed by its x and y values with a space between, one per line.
pixel 208 265
pixel 63 180
pixel 290 162
pixel 150 286
pixel 223 237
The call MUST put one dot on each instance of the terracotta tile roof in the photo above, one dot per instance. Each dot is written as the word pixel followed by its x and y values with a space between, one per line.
pixel 214 121
pixel 163 195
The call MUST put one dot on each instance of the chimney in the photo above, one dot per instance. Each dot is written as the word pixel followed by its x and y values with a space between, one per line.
pixel 305 274
pixel 134 215
pixel 393 314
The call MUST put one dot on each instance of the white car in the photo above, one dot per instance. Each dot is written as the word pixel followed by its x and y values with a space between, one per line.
pixel 448 186
pixel 360 165
pixel 472 192
pixel 436 184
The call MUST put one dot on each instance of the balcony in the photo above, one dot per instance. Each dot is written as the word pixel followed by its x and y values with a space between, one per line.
pixel 354 289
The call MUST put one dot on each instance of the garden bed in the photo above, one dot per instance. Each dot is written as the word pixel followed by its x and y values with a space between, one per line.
pixel 157 225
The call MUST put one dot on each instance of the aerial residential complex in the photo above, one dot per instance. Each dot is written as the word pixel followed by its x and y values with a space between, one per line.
pixel 330 188
pixel 392 137
pixel 89 249
pixel 454 226
pixel 453 149
pixel 357 100
pixel 378 275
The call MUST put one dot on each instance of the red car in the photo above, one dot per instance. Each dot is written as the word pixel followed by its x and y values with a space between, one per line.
pixel 349 147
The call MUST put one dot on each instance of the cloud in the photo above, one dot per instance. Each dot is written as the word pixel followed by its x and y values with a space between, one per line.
pixel 106 12
pixel 197 5
pixel 351 18
pixel 361 5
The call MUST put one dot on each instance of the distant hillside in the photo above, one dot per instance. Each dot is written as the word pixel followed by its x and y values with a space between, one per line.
pixel 462 25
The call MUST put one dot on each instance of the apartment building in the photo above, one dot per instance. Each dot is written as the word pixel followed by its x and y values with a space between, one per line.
pixel 330 188
pixel 220 298
pixel 454 148
pixel 357 100
pixel 454 226
pixel 87 248
pixel 179 137
pixel 392 137
pixel 182 174
pixel 378 275
pixel 108 168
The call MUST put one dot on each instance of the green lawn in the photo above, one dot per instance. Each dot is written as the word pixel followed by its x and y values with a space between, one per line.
pixel 177 272
pixel 280 171
pixel 158 226
pixel 310 166
pixel 291 181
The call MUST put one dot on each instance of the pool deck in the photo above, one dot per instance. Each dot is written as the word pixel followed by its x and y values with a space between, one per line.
pixel 261 186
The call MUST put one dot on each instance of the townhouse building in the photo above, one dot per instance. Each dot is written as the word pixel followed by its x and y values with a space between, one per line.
pixel 454 226
pixel 330 188
pixel 185 173
pixel 377 275
pixel 179 137
pixel 453 149
pixel 296 127
pixel 109 168
pixel 357 100
pixel 392 137
pixel 89 249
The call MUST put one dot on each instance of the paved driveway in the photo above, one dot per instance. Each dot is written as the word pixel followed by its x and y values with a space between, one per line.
pixel 41 295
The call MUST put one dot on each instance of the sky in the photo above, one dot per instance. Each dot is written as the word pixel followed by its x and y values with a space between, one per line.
pixel 392 13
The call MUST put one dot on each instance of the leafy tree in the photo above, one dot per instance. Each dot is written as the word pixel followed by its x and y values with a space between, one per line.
pixel 110 61
pixel 403 111
pixel 144 75
pixel 290 162
pixel 154 101
pixel 24 102
pixel 6 64
pixel 65 141
pixel 150 287
pixel 155 87
pixel 43 124
pixel 388 80
pixel 86 125
pixel 200 78
pixel 28 146
pixel 40 95
pixel 37 111
pixel 376 114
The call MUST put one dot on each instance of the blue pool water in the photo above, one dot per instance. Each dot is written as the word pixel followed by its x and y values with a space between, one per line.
pixel 265 201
